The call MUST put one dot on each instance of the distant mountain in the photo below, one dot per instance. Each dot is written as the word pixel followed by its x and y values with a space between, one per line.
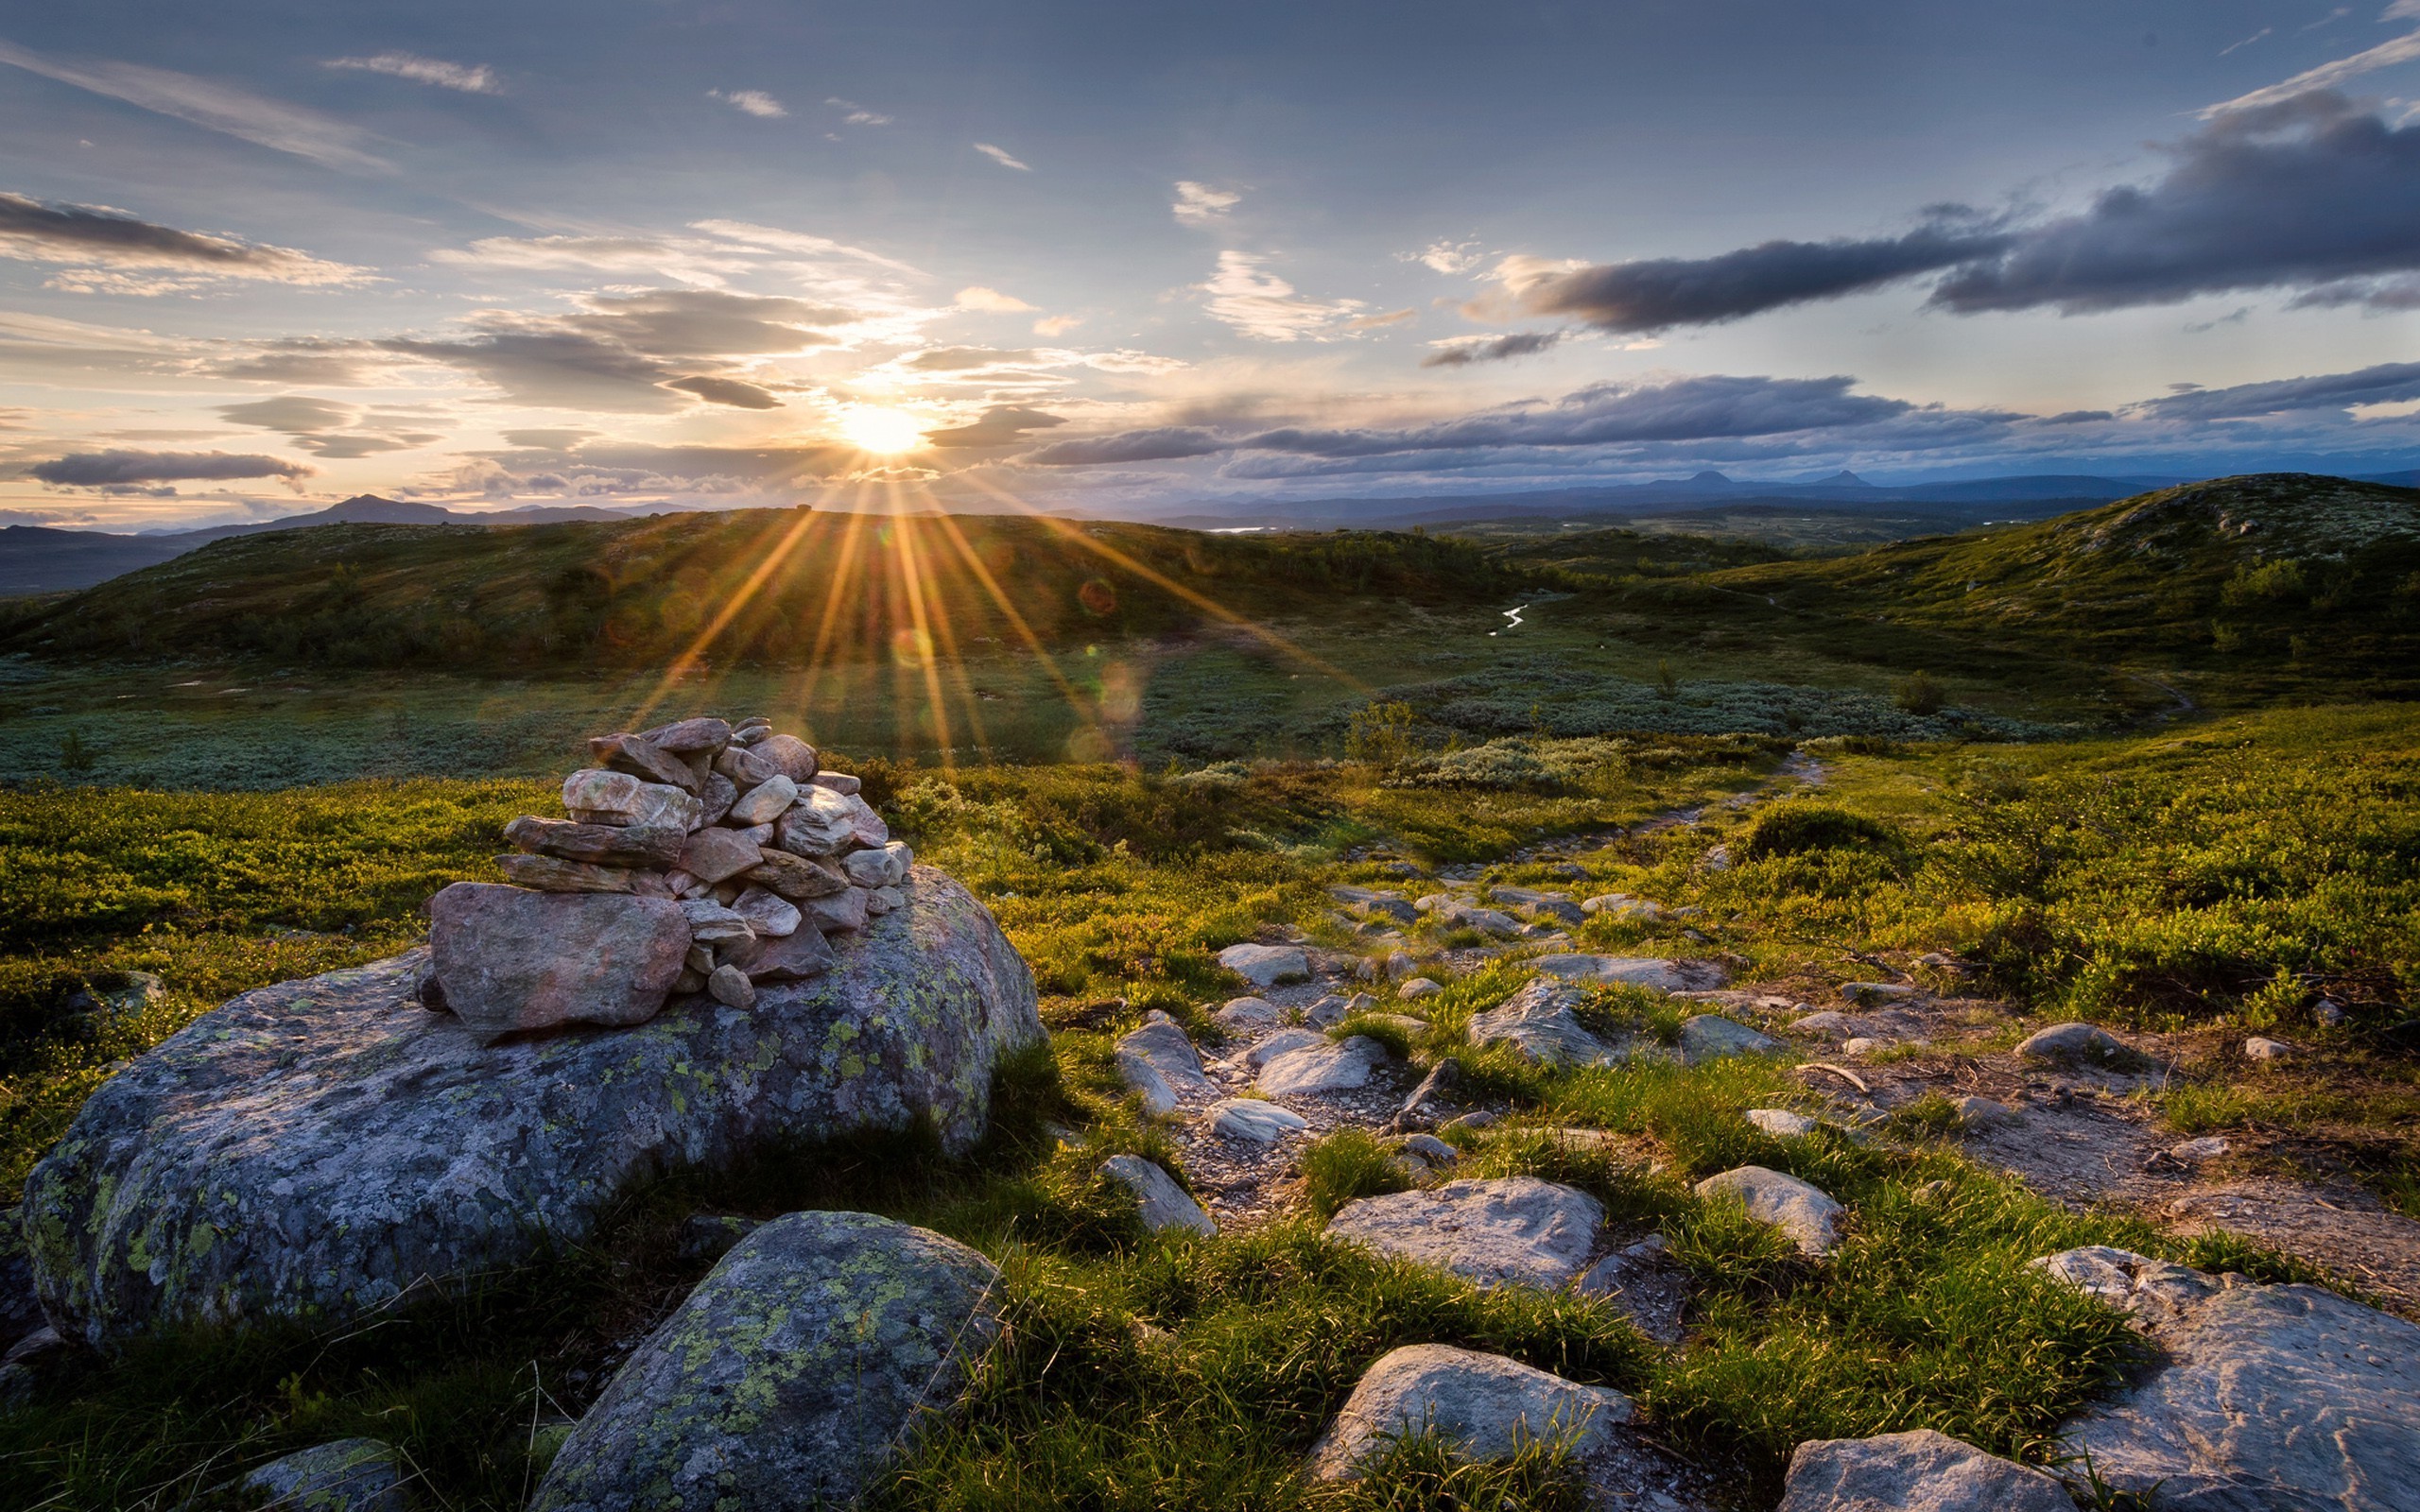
pixel 44 559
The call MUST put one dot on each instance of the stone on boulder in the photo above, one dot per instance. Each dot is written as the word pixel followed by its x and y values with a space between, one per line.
pixel 1489 1407
pixel 715 794
pixel 769 916
pixel 1163 1204
pixel 719 855
pixel 730 987
pixel 744 767
pixel 1638 971
pixel 880 900
pixel 594 790
pixel 820 823
pixel 313 1149
pixel 554 874
pixel 2265 1398
pixel 791 1377
pixel 509 959
pixel 765 802
pixel 660 805
pixel 644 760
pixel 1509 1231
pixel 1920 1472
pixel 1322 1067
pixel 1808 1214
pixel 840 782
pixel 797 878
pixel 685 738
pixel 1711 1037
pixel 791 957
pixel 840 912
pixel 1255 1122
pixel 2083 1043
pixel 788 755
pixel 350 1476
pixel 867 868
pixel 1266 966
pixel 711 923
pixel 605 845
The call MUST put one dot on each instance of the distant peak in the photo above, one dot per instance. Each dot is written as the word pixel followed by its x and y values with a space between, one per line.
pixel 1709 476
pixel 1845 478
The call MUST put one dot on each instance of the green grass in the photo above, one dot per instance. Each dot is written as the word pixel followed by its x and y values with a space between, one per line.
pixel 1347 1165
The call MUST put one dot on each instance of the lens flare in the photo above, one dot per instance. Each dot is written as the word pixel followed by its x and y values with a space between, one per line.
pixel 882 431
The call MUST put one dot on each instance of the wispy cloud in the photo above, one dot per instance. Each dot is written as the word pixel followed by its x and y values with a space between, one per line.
pixel 2238 47
pixel 1462 353
pixel 753 102
pixel 1198 204
pixel 2402 49
pixel 857 113
pixel 990 300
pixel 125 469
pixel 1057 325
pixel 1445 257
pixel 182 97
pixel 1000 156
pixel 87 239
pixel 469 78
pixel 1265 307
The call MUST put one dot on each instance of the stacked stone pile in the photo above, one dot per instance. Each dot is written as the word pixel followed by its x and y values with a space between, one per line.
pixel 698 857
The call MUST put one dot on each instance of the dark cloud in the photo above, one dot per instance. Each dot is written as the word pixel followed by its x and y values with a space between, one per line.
pixel 37 232
pixel 302 360
pixel 99 470
pixel 708 322
pixel 348 444
pixel 1001 425
pixel 548 438
pixel 1657 294
pixel 1519 344
pixel 292 413
pixel 727 391
pixel 1162 444
pixel 2389 383
pixel 2314 192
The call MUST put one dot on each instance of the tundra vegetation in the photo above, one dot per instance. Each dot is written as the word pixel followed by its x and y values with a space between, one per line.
pixel 2227 870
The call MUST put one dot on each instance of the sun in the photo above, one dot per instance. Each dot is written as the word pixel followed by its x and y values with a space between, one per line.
pixel 882 431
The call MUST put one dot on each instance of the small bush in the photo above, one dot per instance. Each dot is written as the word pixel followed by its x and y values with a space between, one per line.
pixel 1797 828
pixel 1381 736
pixel 1347 1165
pixel 1918 694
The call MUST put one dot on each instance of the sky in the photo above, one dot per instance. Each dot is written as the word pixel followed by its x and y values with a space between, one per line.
pixel 1128 260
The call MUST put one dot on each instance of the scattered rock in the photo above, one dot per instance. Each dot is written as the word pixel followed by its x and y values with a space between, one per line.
pixel 1158 1061
pixel 1266 966
pixel 1871 993
pixel 1432 1149
pixel 1982 1113
pixel 1255 1121
pixel 2327 1015
pixel 1428 1100
pixel 1920 1472
pixel 1248 1013
pixel 1539 1024
pixel 1164 1204
pixel 2273 1051
pixel 2208 1148
pixel 1825 1026
pixel 2264 1397
pixel 1643 1283
pixel 509 959
pixel 1782 1123
pixel 1711 1037
pixel 1418 987
pixel 1509 1231
pixel 312 1149
pixel 1639 970
pixel 350 1476
pixel 1283 1042
pixel 1323 1068
pixel 1489 1406
pixel 1807 1214
pixel 2083 1043
pixel 1326 1013
pixel 790 1378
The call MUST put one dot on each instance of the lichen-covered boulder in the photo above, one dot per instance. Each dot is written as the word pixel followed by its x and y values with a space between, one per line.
pixel 350 1476
pixel 791 1377
pixel 314 1148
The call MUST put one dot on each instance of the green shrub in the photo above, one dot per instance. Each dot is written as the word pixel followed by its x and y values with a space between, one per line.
pixel 1347 1165
pixel 1918 694
pixel 1800 826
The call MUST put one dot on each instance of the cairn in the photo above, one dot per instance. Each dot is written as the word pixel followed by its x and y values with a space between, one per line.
pixel 698 857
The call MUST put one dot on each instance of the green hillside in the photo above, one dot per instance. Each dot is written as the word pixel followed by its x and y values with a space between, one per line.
pixel 2275 580
pixel 770 586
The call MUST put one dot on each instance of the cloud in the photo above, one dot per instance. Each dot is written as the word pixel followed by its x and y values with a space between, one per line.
pixel 1464 352
pixel 1445 257
pixel 265 123
pixel 1000 156
pixel 2312 192
pixel 470 80
pixel 294 413
pixel 552 438
pixel 1160 444
pixel 1265 307
pixel 32 231
pixel 2247 42
pixel 1000 426
pixel 990 300
pixel 1377 322
pixel 96 470
pixel 731 392
pixel 2329 76
pixel 1057 325
pixel 2390 383
pixel 1198 204
pixel 313 360
pixel 1659 293
pixel 857 114
pixel 753 102
pixel 327 429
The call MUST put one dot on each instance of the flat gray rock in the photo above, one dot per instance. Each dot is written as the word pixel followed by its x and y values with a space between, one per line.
pixel 1158 1061
pixel 1489 1407
pixel 1507 1230
pixel 1163 1204
pixel 311 1149
pixel 350 1476
pixel 1255 1121
pixel 1922 1471
pixel 2267 1398
pixel 1639 970
pixel 509 959
pixel 2085 1042
pixel 1266 965
pixel 1711 1037
pixel 791 1377
pixel 1781 1122
pixel 1322 1067
pixel 1805 1213
pixel 1285 1041
pixel 1537 1021
pixel 1248 1013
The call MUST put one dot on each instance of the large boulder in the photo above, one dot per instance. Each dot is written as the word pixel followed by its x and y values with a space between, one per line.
pixel 1807 1214
pixel 509 959
pixel 313 1148
pixel 1922 1471
pixel 2266 1399
pixel 790 1378
pixel 1489 1407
